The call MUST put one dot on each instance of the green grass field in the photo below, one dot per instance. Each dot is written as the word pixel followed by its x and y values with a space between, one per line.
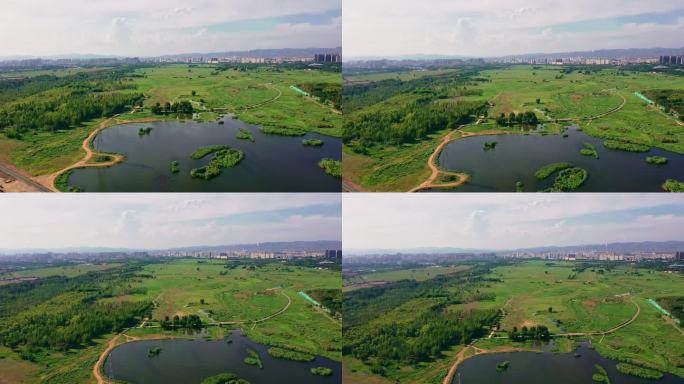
pixel 603 103
pixel 66 271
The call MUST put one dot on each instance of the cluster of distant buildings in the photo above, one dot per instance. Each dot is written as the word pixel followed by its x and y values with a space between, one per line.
pixel 671 60
pixel 598 256
pixel 574 61
pixel 259 255
pixel 234 59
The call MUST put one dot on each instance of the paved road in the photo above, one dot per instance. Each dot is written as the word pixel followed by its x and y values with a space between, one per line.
pixel 24 179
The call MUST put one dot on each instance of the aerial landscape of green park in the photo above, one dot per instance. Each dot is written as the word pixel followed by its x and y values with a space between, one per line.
pixel 491 127
pixel 61 323
pixel 478 319
pixel 56 123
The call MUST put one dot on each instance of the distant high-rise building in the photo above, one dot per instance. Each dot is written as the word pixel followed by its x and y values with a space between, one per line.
pixel 328 58
pixel 679 256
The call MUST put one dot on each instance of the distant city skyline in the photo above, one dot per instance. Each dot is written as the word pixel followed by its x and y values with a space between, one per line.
pixel 507 221
pixel 494 28
pixel 156 27
pixel 163 221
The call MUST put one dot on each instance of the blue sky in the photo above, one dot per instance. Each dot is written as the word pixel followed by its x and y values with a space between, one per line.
pixel 167 220
pixel 504 27
pixel 156 27
pixel 501 221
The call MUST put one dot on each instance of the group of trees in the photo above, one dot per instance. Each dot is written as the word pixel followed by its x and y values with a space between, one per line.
pixel 539 332
pixel 186 322
pixel 526 119
pixel 183 107
pixel 409 123
pixel 49 103
pixel 59 313
pixel 329 92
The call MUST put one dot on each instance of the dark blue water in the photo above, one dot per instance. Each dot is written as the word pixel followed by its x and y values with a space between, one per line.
pixel 191 361
pixel 546 367
pixel 518 157
pixel 271 163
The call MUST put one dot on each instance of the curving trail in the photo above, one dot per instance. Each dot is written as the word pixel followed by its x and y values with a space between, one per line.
pixel 432 164
pixel 97 369
pixel 289 301
pixel 269 86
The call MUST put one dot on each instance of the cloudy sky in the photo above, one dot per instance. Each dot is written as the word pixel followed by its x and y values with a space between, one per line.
pixel 156 27
pixel 165 220
pixel 505 221
pixel 503 27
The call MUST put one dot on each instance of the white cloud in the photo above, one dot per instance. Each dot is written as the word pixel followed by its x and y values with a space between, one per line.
pixel 496 27
pixel 165 220
pixel 487 221
pixel 155 27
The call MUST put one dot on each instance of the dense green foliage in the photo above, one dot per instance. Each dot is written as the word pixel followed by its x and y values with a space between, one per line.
pixel 326 92
pixel 224 158
pixel 375 333
pixel 180 108
pixel 550 169
pixel 175 166
pixel 489 145
pixel 524 119
pixel 224 378
pixel 181 322
pixel 58 313
pixel 331 166
pixel 244 134
pixel 328 298
pixel 282 131
pixel 154 352
pixel 201 152
pixel 287 354
pixel 321 371
pixel 671 100
pixel 656 160
pixel 675 305
pixel 625 146
pixel 144 131
pixel 312 142
pixel 589 150
pixel 539 332
pixel 62 183
pixel 569 180
pixel 48 103
pixel 672 185
pixel 601 376
pixel 410 122
pixel 502 365
pixel 253 358
pixel 635 370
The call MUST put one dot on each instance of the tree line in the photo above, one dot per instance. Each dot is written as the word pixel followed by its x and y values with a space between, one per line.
pixel 524 118
pixel 183 107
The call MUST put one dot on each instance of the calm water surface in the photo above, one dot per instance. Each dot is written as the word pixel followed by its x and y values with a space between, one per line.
pixel 518 157
pixel 271 163
pixel 545 368
pixel 191 361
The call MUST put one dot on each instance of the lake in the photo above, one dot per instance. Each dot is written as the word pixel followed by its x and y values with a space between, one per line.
pixel 271 163
pixel 546 367
pixel 518 157
pixel 191 361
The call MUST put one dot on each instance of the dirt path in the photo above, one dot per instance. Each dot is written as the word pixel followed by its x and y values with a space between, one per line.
pixel 269 86
pixel 436 172
pixel 289 301
pixel 350 186
pixel 22 182
pixel 49 180
pixel 97 369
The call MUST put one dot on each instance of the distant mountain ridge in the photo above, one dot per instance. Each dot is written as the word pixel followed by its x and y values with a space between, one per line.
pixel 626 247
pixel 284 246
pixel 603 53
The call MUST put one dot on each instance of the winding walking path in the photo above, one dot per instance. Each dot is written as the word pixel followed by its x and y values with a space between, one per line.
pixel 436 172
